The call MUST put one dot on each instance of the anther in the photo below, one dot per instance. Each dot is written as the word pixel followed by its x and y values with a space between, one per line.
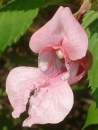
pixel 60 54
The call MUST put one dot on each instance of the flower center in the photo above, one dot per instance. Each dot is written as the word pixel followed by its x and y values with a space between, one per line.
pixel 51 61
pixel 60 54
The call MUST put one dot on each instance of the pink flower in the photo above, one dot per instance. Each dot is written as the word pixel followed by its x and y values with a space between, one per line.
pixel 62 46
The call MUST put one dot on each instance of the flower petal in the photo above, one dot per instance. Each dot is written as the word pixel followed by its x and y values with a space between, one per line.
pixel 73 70
pixel 50 104
pixel 20 82
pixel 77 70
pixel 76 42
pixel 63 29
pixel 49 34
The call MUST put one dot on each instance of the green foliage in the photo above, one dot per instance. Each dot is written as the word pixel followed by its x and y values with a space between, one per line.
pixel 15 18
pixel 92 116
pixel 92 32
pixel 93 47
pixel 95 94
pixel 89 17
pixel 90 22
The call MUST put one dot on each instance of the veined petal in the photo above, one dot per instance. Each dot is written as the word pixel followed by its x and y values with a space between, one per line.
pixel 63 29
pixel 76 42
pixel 50 34
pixel 50 105
pixel 20 82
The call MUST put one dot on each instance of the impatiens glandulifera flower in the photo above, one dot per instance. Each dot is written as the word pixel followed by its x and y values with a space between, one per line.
pixel 63 60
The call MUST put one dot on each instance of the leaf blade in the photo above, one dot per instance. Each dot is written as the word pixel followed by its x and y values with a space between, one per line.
pixel 89 17
pixel 15 18
pixel 92 116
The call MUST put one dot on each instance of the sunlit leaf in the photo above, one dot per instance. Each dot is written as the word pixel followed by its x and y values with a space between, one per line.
pixel 92 32
pixel 15 18
pixel 92 116
pixel 89 17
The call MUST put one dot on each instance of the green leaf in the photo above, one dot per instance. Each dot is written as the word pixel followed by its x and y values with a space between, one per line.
pixel 89 17
pixel 92 32
pixel 15 18
pixel 92 116
pixel 95 94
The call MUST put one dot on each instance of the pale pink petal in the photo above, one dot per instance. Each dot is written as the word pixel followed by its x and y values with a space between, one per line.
pixel 76 42
pixel 20 82
pixel 50 34
pixel 50 105
pixel 73 68
pixel 77 70
pixel 76 78
pixel 62 29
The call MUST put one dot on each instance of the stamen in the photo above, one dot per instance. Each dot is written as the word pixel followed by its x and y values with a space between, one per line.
pixel 60 54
